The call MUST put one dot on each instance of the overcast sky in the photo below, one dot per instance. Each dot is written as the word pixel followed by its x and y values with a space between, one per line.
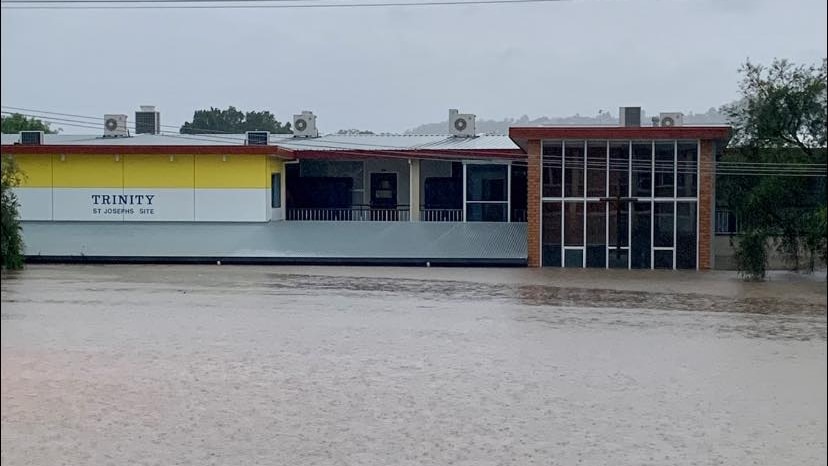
pixel 390 69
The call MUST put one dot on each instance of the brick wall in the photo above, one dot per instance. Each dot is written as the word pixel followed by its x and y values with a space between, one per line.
pixel 533 181
pixel 707 194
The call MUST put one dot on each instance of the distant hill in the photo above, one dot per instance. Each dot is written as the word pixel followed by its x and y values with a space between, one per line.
pixel 712 116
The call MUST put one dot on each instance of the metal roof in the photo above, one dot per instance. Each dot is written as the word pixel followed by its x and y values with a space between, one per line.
pixel 323 143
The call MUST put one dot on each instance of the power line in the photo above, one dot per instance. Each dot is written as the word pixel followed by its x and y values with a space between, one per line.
pixel 177 4
pixel 554 162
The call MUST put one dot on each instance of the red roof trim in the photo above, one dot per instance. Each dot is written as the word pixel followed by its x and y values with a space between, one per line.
pixel 620 132
pixel 271 150
pixel 165 150
pixel 507 154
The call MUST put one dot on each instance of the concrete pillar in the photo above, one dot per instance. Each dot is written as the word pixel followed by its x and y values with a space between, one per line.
pixel 414 189
pixel 533 200
pixel 707 199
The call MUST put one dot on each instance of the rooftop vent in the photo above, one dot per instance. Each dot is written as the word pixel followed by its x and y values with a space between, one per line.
pixel 629 116
pixel 148 120
pixel 31 138
pixel 257 138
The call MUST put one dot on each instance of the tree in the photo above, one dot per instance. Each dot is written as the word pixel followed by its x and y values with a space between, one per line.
pixel 780 119
pixel 233 121
pixel 11 240
pixel 16 123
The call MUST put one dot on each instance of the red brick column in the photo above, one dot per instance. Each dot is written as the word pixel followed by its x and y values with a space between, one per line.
pixel 707 197
pixel 533 183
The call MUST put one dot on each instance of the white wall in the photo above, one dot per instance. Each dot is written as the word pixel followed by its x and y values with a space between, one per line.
pixel 151 204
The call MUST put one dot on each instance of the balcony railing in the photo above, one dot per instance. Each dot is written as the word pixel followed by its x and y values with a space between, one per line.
pixel 441 215
pixel 348 214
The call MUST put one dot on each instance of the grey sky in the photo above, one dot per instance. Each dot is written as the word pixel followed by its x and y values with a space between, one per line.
pixel 389 69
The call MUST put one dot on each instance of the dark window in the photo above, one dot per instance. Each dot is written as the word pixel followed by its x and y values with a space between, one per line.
pixel 619 217
pixel 574 224
pixel 276 190
pixel 642 174
pixel 619 171
pixel 486 182
pixel 664 178
pixel 618 258
pixel 640 244
pixel 476 212
pixel 551 241
pixel 686 235
pixel 573 258
pixel 574 173
pixel 663 225
pixel 597 169
pixel 552 158
pixel 596 234
pixel 663 259
pixel 687 168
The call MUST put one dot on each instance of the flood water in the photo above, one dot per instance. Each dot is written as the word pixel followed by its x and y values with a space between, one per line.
pixel 378 366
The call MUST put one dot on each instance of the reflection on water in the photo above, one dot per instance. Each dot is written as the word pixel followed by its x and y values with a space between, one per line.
pixel 227 365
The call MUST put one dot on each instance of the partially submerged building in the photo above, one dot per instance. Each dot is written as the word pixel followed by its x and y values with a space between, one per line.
pixel 627 196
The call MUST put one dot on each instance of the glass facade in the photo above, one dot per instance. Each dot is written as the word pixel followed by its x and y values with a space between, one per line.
pixel 619 204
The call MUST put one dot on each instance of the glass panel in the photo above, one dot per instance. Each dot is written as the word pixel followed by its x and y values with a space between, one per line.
pixel 596 234
pixel 551 241
pixel 574 176
pixel 663 225
pixel 276 190
pixel 597 168
pixel 663 259
pixel 619 217
pixel 574 224
pixel 642 153
pixel 618 258
pixel 619 169
pixel 518 193
pixel 686 235
pixel 486 182
pixel 640 247
pixel 687 168
pixel 552 157
pixel 664 178
pixel 485 212
pixel 573 258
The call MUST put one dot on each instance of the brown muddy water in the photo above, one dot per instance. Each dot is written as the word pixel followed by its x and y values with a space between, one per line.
pixel 163 365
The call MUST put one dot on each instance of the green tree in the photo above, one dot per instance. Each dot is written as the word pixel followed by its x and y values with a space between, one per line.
pixel 16 123
pixel 781 119
pixel 11 240
pixel 233 121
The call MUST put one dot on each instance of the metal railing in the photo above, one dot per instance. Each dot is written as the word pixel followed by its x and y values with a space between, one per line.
pixel 348 214
pixel 441 215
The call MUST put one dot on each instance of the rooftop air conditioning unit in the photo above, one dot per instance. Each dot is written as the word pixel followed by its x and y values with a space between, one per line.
pixel 304 125
pixel 671 119
pixel 461 124
pixel 257 138
pixel 147 120
pixel 31 138
pixel 115 126
pixel 629 116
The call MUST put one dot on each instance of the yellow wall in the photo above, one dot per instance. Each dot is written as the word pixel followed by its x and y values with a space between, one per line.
pixel 158 171
pixel 147 171
pixel 231 171
pixel 87 171
pixel 36 169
